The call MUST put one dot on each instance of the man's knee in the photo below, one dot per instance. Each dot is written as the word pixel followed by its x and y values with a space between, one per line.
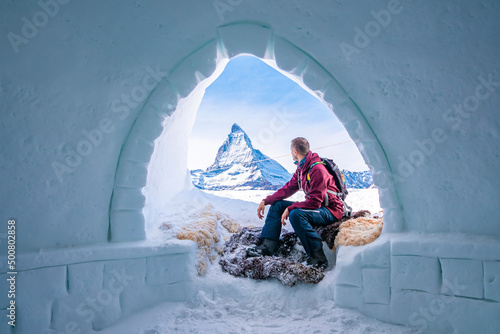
pixel 278 206
pixel 297 217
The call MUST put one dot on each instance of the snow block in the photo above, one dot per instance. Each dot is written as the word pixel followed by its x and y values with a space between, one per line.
pixel 128 199
pixel 169 269
pixel 245 37
pixel 360 132
pixel 425 312
pixel 73 314
pixel 85 278
pixel 416 273
pixel 375 157
pixel 347 112
pixel 334 94
pixel 148 295
pixel 137 150
pixel 348 266
pixel 131 174
pixel 109 310
pixel 349 296
pixel 378 311
pixel 377 254
pixel 4 322
pixel 376 285
pixel 204 58
pixel 164 98
pixel 473 316
pixel 289 58
pixel 394 221
pixel 4 287
pixel 120 276
pixel 35 292
pixel 316 77
pixel 148 125
pixel 185 78
pixel 462 277
pixel 444 245
pixel 492 280
pixel 127 225
pixel 388 198
pixel 382 175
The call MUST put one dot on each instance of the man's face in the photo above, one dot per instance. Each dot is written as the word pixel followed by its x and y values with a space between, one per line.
pixel 295 154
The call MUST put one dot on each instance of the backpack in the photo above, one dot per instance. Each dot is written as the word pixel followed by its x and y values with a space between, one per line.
pixel 339 179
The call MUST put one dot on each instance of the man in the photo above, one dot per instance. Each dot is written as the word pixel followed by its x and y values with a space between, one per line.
pixel 302 215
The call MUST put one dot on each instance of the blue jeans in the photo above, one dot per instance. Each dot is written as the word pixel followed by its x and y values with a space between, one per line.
pixel 302 222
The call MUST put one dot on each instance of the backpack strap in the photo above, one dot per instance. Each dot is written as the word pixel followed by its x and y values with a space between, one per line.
pixel 308 177
pixel 347 208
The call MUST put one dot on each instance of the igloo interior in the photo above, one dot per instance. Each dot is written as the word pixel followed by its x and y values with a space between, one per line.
pixel 88 87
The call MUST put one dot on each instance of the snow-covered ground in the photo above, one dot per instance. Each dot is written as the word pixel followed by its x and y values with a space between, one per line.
pixel 358 199
pixel 226 304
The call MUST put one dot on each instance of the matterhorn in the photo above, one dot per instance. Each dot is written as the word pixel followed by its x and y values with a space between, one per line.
pixel 238 166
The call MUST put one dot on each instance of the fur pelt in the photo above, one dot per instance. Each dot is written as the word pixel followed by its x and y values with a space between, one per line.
pixel 329 233
pixel 286 265
pixel 204 231
pixel 359 231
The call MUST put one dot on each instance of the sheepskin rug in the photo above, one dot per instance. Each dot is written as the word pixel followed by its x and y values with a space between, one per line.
pixel 359 231
pixel 287 264
pixel 209 227
pixel 205 230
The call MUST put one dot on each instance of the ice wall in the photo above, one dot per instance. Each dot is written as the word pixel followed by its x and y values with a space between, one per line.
pixel 86 87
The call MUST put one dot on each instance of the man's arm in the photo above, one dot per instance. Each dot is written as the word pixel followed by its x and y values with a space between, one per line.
pixel 290 188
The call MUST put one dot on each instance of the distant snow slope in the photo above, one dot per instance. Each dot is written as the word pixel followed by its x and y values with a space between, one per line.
pixel 358 180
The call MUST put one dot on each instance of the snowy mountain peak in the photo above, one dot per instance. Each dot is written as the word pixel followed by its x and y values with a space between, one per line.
pixel 237 148
pixel 236 128
pixel 238 165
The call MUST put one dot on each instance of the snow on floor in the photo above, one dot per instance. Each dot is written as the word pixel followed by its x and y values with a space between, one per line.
pixel 226 304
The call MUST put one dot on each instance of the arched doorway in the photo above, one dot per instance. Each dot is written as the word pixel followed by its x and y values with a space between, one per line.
pixel 173 103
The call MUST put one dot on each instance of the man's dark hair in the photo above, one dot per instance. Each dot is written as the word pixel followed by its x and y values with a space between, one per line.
pixel 301 144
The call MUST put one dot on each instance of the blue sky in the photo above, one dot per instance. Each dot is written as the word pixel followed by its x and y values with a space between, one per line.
pixel 272 110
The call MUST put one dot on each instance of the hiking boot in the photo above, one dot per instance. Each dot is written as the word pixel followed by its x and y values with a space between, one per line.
pixel 318 259
pixel 267 248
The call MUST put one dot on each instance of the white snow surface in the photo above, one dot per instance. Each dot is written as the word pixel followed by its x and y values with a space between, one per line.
pixel 227 304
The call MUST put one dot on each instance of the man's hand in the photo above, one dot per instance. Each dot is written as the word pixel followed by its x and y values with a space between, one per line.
pixel 284 216
pixel 260 209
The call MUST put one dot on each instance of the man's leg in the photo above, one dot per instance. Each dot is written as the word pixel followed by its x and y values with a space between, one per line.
pixel 271 231
pixel 302 221
pixel 272 226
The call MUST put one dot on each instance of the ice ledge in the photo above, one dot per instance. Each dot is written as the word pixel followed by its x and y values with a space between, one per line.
pixel 443 245
pixel 102 252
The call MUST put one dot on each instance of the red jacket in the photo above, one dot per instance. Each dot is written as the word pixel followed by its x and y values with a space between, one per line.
pixel 315 190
